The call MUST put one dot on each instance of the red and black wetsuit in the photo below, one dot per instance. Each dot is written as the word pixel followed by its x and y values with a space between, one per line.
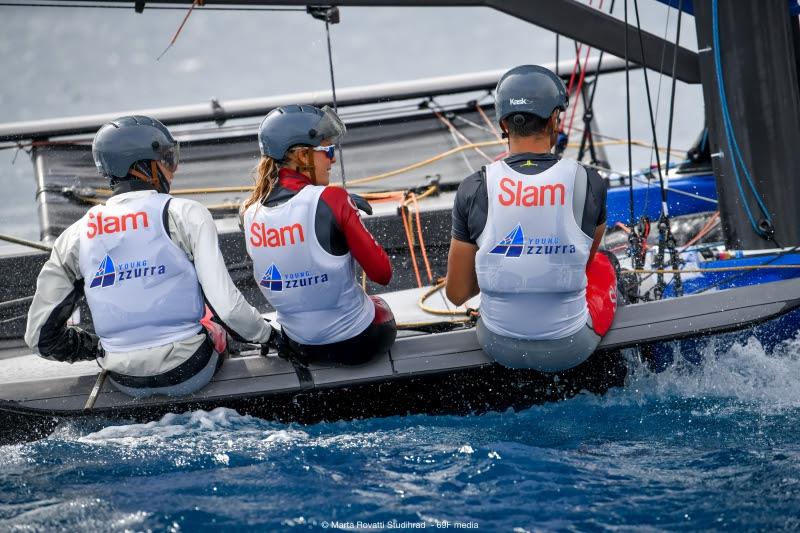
pixel 339 230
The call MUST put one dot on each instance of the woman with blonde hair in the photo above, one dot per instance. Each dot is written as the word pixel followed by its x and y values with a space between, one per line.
pixel 305 236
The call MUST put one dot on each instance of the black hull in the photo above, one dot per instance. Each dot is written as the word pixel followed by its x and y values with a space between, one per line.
pixel 460 392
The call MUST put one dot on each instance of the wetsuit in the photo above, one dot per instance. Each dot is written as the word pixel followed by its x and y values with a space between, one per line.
pixel 533 218
pixel 147 296
pixel 304 241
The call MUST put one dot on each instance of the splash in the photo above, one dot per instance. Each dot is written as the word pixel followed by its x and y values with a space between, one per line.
pixel 745 373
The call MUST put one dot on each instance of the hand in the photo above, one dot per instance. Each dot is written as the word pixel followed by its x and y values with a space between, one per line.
pixel 276 342
pixel 361 203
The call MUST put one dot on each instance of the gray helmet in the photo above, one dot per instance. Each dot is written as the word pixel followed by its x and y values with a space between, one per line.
pixel 126 140
pixel 529 89
pixel 294 125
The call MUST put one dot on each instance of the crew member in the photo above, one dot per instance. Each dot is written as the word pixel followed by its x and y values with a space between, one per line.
pixel 146 263
pixel 305 236
pixel 525 233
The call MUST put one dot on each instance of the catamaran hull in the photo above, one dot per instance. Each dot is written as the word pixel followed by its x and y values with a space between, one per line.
pixel 423 373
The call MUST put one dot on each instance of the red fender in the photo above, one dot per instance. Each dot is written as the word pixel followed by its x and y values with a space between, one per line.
pixel 601 293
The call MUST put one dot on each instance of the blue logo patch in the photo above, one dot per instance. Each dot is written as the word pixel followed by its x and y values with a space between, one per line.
pixel 512 244
pixel 106 274
pixel 272 279
pixel 109 274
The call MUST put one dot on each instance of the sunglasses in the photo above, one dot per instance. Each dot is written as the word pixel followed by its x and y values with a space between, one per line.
pixel 330 151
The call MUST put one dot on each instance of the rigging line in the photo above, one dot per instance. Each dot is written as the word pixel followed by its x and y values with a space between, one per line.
pixel 674 70
pixel 180 28
pixel 485 118
pixel 664 209
pixel 455 131
pixel 661 74
pixel 628 107
pixel 579 91
pixel 335 103
pixel 149 7
pixel 589 134
pixel 475 125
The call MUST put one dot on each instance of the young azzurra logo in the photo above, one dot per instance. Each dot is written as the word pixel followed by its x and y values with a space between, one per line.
pixel 272 279
pixel 110 274
pixel 105 275
pixel 515 245
pixel 512 244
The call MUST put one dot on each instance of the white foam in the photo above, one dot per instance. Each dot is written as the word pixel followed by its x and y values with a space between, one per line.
pixel 746 373
pixel 210 431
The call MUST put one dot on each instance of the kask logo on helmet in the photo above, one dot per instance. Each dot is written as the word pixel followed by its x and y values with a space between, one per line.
pixel 275 282
pixel 514 244
pixel 110 274
pixel 520 101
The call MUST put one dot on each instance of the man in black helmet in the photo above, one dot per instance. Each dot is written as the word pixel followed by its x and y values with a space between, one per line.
pixel 525 233
pixel 148 265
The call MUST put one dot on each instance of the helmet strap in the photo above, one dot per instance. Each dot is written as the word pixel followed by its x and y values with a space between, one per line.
pixel 157 170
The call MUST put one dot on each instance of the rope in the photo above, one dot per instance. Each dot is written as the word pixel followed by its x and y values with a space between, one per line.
pixel 455 131
pixel 384 175
pixel 664 209
pixel 706 270
pixel 674 79
pixel 424 162
pixel 579 89
pixel 471 314
pixel 333 94
pixel 410 241
pixel 491 125
pixel 703 231
pixel 421 239
pixel 407 200
pixel 180 28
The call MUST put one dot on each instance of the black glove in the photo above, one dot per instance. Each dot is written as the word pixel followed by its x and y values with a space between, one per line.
pixel 361 203
pixel 276 342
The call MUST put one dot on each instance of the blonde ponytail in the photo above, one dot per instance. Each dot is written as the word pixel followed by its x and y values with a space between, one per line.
pixel 266 176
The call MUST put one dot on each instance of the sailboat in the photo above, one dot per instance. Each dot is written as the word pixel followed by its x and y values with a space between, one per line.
pixel 721 293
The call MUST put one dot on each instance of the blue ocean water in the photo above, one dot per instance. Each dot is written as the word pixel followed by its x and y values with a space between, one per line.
pixel 709 447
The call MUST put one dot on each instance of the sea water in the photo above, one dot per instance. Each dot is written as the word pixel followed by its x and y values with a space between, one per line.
pixel 710 446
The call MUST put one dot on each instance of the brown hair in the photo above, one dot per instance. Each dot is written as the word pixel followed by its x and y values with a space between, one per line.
pixel 266 175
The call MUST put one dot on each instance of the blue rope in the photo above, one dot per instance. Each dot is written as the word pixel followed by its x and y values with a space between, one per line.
pixel 730 135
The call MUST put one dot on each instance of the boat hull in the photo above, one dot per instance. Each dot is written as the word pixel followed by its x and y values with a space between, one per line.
pixel 423 373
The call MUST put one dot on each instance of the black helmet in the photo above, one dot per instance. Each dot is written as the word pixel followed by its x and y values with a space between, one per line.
pixel 294 125
pixel 529 89
pixel 126 140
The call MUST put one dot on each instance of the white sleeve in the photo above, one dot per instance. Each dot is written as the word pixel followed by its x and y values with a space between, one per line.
pixel 196 233
pixel 59 288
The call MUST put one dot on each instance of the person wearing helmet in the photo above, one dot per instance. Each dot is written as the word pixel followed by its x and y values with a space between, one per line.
pixel 525 234
pixel 151 271
pixel 304 238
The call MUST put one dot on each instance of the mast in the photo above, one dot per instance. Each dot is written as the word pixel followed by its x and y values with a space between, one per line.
pixel 758 54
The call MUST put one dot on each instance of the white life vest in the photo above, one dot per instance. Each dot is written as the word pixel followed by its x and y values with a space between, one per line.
pixel 141 288
pixel 314 292
pixel 532 254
